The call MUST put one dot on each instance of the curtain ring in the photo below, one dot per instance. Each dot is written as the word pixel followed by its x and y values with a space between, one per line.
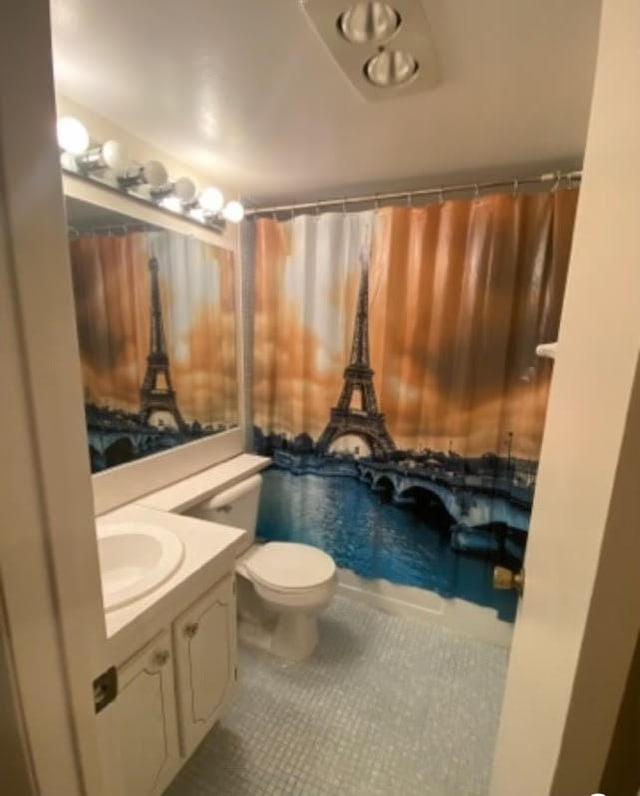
pixel 344 206
pixel 515 186
pixel 293 215
pixel 274 215
pixel 376 202
pixel 476 191
pixel 441 195
pixel 317 208
pixel 409 198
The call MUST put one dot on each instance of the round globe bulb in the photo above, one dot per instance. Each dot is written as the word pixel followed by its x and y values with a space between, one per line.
pixel 211 199
pixel 185 189
pixel 233 211
pixel 115 156
pixel 73 136
pixel 155 174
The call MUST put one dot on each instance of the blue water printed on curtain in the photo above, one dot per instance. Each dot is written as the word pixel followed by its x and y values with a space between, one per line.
pixel 420 470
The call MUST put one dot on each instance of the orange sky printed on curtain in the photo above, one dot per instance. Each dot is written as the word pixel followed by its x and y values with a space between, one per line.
pixel 112 296
pixel 460 293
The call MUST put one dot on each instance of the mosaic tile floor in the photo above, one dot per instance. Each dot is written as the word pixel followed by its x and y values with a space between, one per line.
pixel 387 706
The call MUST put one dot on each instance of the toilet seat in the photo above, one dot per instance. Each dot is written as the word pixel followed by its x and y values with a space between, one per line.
pixel 290 567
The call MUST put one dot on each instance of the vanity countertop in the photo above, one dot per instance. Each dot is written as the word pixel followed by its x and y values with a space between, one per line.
pixel 199 487
pixel 210 551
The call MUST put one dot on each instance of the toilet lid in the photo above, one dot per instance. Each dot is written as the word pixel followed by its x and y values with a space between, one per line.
pixel 288 566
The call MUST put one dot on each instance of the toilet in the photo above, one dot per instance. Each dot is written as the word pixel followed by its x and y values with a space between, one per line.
pixel 282 586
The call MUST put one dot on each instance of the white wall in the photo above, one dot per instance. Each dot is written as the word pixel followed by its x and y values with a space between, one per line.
pixel 581 609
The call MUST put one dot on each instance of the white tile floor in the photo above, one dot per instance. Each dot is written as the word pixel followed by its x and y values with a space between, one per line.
pixel 386 707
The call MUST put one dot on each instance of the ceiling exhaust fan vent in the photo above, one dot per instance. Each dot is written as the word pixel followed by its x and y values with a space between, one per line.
pixel 383 48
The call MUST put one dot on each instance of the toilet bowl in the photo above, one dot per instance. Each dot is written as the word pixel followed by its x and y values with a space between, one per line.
pixel 282 586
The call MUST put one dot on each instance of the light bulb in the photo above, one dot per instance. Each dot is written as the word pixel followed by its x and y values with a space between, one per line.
pixel 115 156
pixel 68 161
pixel 233 211
pixel 211 199
pixel 73 136
pixel 185 189
pixel 155 174
pixel 198 214
pixel 172 203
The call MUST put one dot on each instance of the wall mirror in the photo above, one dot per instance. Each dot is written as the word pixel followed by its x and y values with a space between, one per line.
pixel 157 330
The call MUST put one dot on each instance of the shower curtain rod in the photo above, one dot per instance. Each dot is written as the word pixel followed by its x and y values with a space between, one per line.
pixel 570 177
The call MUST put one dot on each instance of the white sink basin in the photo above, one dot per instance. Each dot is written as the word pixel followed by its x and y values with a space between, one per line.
pixel 135 559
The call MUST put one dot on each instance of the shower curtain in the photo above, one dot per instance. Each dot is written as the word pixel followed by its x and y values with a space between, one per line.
pixel 395 383
pixel 155 315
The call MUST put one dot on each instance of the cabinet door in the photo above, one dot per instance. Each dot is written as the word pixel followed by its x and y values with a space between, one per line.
pixel 146 710
pixel 205 647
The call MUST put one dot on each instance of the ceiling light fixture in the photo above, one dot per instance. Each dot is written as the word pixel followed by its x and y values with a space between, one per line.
pixel 73 136
pixel 369 21
pixel 391 68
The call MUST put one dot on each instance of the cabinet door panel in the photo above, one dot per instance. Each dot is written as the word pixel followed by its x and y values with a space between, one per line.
pixel 147 720
pixel 205 645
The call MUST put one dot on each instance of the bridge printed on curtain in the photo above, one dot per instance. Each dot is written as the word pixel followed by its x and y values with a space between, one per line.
pixel 396 385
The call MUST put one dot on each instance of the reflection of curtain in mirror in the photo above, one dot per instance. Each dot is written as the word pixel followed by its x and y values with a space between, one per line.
pixel 112 286
pixel 459 294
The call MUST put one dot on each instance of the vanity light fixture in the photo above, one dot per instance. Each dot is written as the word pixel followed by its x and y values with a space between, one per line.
pixel 233 211
pixel 73 136
pixel 109 165
pixel 111 155
pixel 211 200
pixel 369 21
pixel 152 174
pixel 175 195
pixel 186 190
pixel 172 203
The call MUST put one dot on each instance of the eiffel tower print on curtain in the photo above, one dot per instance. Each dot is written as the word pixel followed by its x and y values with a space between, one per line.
pixel 157 393
pixel 365 420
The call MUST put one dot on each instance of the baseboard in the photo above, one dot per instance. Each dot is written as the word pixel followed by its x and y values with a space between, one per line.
pixel 458 615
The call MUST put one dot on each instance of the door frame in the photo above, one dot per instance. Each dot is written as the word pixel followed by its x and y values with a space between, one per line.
pixel 48 553
pixel 577 628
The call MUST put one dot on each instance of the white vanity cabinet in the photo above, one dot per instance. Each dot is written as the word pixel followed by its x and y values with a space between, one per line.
pixel 172 691
pixel 204 638
pixel 146 718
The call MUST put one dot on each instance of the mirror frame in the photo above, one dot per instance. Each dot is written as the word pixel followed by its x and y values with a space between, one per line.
pixel 127 482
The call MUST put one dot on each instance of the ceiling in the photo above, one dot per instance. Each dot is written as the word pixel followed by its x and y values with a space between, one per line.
pixel 245 90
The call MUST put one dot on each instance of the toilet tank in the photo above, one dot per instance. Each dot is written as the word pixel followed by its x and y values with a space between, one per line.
pixel 236 506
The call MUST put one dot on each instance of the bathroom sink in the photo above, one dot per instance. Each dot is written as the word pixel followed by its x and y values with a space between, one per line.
pixel 135 558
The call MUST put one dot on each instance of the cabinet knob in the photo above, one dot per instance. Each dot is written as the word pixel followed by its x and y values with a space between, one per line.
pixel 161 657
pixel 191 629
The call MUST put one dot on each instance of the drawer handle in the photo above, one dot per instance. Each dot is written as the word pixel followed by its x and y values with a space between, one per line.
pixel 191 629
pixel 161 657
